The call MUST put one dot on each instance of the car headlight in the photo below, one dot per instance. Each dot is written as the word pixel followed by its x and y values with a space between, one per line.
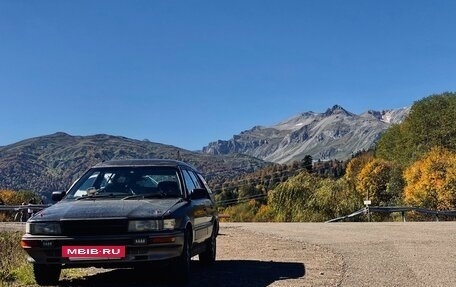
pixel 43 228
pixel 151 225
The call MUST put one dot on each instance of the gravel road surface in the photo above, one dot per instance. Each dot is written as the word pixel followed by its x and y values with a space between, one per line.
pixel 312 254
pixel 376 254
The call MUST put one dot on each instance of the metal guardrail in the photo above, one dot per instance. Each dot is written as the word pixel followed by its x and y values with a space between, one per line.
pixel 35 207
pixel 392 209
pixel 20 213
pixel 363 211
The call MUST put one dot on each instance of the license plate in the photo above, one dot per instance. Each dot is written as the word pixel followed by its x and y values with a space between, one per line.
pixel 93 252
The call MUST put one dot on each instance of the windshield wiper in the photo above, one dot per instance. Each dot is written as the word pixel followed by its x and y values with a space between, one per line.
pixel 146 195
pixel 101 195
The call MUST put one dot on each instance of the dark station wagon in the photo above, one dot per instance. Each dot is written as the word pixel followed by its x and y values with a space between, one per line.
pixel 123 214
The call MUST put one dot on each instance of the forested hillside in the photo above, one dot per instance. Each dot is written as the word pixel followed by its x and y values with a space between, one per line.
pixel 53 162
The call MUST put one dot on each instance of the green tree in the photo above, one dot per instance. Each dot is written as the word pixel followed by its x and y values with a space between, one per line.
pixel 246 191
pixel 243 212
pixel 289 198
pixel 307 163
pixel 429 124
pixel 225 197
pixel 432 123
pixel 392 146
pixel 396 184
pixel 333 198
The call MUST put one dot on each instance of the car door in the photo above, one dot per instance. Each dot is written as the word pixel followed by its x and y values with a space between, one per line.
pixel 198 205
pixel 211 211
pixel 208 210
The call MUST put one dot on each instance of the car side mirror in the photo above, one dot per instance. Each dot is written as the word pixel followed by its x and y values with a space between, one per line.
pixel 199 193
pixel 57 195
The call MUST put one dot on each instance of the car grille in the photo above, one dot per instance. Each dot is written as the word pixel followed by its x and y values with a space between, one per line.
pixel 95 227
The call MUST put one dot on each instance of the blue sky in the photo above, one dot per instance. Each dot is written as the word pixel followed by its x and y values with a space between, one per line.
pixel 189 72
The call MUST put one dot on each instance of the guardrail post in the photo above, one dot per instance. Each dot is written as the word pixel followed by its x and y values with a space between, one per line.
pixel 403 216
pixel 367 203
pixel 436 217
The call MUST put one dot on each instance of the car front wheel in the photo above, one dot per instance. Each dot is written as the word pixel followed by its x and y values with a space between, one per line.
pixel 46 274
pixel 208 256
pixel 183 262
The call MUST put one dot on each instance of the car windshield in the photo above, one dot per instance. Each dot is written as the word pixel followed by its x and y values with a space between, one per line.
pixel 127 182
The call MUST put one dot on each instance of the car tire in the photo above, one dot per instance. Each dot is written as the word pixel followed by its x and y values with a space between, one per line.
pixel 183 261
pixel 208 256
pixel 46 274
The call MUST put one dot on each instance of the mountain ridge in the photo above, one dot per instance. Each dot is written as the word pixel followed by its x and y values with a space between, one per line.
pixel 53 162
pixel 333 134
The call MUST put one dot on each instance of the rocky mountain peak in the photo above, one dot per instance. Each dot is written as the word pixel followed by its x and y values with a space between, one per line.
pixel 337 110
pixel 334 134
pixel 391 116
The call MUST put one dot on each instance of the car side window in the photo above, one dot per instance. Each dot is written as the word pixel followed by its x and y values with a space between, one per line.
pixel 195 179
pixel 189 183
pixel 201 178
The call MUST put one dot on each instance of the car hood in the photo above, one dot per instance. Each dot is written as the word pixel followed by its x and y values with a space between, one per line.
pixel 108 208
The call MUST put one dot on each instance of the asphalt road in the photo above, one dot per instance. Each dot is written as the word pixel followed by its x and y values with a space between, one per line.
pixel 313 254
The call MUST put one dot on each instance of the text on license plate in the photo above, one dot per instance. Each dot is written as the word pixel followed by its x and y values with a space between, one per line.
pixel 93 252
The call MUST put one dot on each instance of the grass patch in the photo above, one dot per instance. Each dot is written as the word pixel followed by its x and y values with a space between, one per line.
pixel 14 268
pixel 73 273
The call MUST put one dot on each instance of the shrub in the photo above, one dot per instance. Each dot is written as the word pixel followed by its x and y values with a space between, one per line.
pixel 14 267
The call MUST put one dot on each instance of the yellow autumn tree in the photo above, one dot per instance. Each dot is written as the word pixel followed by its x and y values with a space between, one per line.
pixel 354 167
pixel 372 182
pixel 431 181
pixel 8 196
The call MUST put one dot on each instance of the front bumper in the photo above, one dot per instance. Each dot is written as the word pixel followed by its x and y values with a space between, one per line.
pixel 139 248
